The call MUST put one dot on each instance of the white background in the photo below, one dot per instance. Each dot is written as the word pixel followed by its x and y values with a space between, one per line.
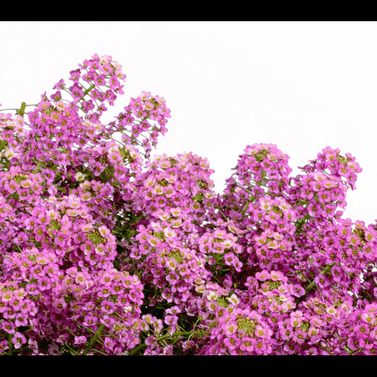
pixel 300 85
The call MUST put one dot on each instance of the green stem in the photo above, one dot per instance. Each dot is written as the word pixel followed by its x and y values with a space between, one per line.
pixel 17 247
pixel 243 188
pixel 38 168
pixel 307 216
pixel 87 91
pixel 73 352
pixel 313 283
pixel 10 344
pixel 163 337
pixel 19 110
pixel 246 206
pixel 94 339
pixel 22 109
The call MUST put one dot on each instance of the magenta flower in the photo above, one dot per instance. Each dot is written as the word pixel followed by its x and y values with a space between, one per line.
pixel 44 283
pixel 6 296
pixel 89 320
pixel 369 318
pixel 108 306
pixel 231 328
pixel 79 340
pixel 8 327
pixel 18 340
pixel 353 239
pixel 355 343
pixel 322 281
pixel 247 344
pixel 53 349
pixel 59 304
pixel 232 342
pixel 260 347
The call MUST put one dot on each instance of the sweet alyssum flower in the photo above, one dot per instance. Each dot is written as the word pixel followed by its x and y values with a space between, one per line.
pixel 182 246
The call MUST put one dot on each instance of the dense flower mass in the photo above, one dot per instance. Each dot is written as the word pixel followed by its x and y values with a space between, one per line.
pixel 105 251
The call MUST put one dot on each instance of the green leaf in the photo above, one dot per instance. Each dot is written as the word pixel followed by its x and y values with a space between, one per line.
pixel 94 339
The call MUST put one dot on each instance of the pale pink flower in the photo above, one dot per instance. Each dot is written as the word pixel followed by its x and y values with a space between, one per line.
pixel 18 340
pixel 172 264
pixel 169 233
pixel 104 231
pixel 80 340
pixel 233 299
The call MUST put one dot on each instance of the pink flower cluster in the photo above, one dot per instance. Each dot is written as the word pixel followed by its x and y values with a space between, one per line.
pixel 145 109
pixel 72 303
pixel 102 255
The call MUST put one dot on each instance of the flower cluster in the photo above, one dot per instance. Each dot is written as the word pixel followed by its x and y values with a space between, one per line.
pixel 101 256
pixel 19 193
pixel 72 304
pixel 220 249
pixel 182 181
pixel 139 116
pixel 272 229
pixel 18 310
pixel 11 138
pixel 262 166
pixel 237 331
pixel 171 193
pixel 270 292
pixel 57 249
pixel 361 328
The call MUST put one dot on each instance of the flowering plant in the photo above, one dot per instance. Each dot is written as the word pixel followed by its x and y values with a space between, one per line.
pixel 101 256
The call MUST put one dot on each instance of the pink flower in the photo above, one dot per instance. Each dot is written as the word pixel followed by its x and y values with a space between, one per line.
pixel 231 328
pixel 53 349
pixel 169 233
pixel 20 320
pixel 6 296
pixel 368 318
pixel 260 332
pixel 353 239
pixel 104 231
pixel 18 340
pixel 89 306
pixel 229 259
pixel 260 347
pixel 100 249
pixel 172 264
pixel 232 342
pixel 322 281
pixel 355 343
pixel 171 320
pixel 108 306
pixel 79 340
pixel 299 336
pixel 262 276
pixel 59 305
pixel 247 344
pixel 8 327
